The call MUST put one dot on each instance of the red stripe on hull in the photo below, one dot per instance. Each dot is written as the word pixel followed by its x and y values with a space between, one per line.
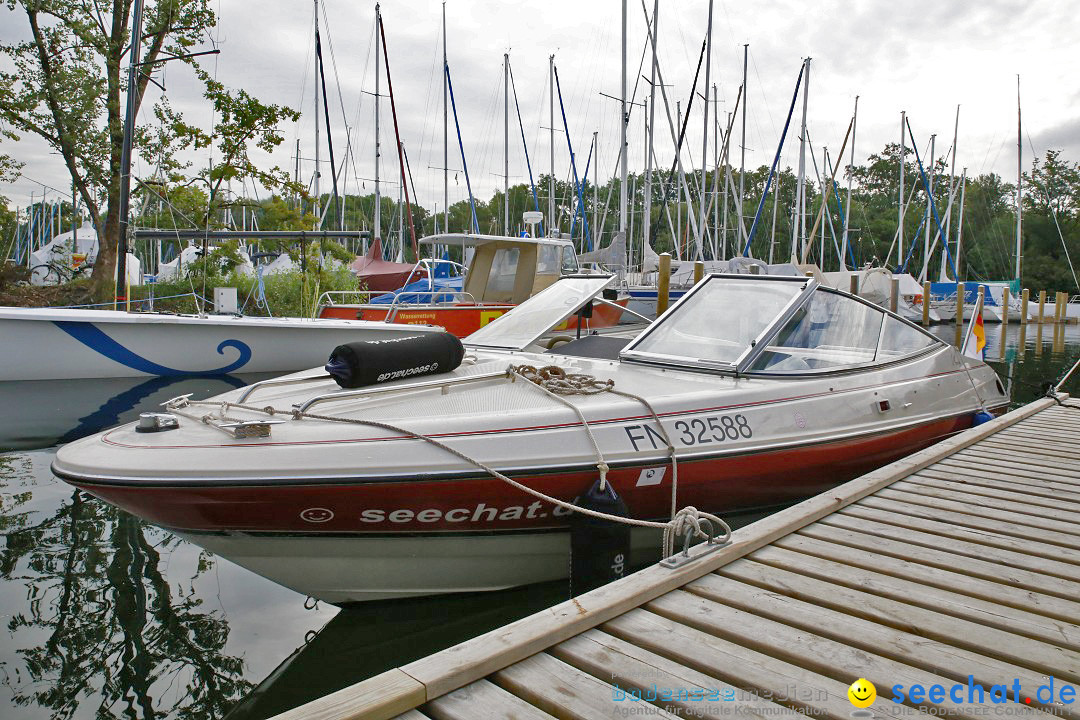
pixel 718 484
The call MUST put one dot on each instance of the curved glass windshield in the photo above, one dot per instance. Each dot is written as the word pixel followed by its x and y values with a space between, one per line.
pixel 833 331
pixel 719 321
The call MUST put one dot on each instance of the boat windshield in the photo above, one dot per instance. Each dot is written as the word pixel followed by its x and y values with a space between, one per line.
pixel 773 325
pixel 530 320
pixel 719 322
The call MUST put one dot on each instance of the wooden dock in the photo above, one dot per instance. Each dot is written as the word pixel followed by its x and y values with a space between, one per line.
pixel 956 567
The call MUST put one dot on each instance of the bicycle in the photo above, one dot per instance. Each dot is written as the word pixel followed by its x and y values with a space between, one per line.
pixel 61 269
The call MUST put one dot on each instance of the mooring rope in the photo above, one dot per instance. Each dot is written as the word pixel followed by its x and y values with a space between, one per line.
pixel 688 519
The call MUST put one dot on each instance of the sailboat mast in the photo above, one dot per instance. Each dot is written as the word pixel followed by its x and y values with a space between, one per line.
pixel 445 136
pixel 929 202
pixel 704 138
pixel 596 187
pixel 622 141
pixel 900 211
pixel 960 222
pixel 742 142
pixel 1019 186
pixel 798 230
pixel 647 225
pixel 847 206
pixel 318 197
pixel 551 133
pixel 397 138
pixel 378 195
pixel 506 143
pixel 943 276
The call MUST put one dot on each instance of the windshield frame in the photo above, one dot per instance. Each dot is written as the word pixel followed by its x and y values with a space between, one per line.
pixel 750 352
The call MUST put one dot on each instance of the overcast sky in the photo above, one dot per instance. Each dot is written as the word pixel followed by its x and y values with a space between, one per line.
pixel 922 56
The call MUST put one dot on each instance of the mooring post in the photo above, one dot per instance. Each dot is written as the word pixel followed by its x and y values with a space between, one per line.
pixel 926 304
pixel 1004 317
pixel 1025 296
pixel 699 271
pixel 663 281
pixel 894 294
pixel 1042 306
pixel 853 285
pixel 959 314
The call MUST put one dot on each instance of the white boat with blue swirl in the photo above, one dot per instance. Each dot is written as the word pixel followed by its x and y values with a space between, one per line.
pixel 61 343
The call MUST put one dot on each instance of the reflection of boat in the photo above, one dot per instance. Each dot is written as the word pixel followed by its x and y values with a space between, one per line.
pixel 58 411
pixel 503 272
pixel 58 343
pixel 770 388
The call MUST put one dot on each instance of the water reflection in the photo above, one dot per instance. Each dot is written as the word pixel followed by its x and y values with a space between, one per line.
pixel 43 413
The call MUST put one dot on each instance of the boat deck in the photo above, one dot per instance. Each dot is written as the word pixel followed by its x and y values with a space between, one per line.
pixel 956 567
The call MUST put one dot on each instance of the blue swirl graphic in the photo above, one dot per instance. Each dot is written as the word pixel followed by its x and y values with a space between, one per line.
pixel 94 338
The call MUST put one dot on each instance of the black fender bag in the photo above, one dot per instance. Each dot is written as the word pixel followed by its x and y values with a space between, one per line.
pixel 370 362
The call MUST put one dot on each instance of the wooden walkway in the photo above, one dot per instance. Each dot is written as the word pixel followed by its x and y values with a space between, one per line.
pixel 957 566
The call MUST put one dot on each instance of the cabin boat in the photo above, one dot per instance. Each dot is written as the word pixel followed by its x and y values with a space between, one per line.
pixel 502 272
pixel 770 389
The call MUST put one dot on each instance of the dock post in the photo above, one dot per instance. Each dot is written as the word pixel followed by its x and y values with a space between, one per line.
pixel 926 304
pixel 853 285
pixel 894 294
pixel 699 271
pixel 1025 296
pixel 959 314
pixel 1059 307
pixel 663 280
pixel 1042 306
pixel 1004 317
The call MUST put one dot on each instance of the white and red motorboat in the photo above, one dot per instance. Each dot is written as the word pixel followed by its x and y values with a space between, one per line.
pixel 770 388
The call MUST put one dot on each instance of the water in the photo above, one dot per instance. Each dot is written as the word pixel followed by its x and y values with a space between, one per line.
pixel 106 616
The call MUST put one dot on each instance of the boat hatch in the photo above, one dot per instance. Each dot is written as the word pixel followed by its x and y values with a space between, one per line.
pixel 530 320
pixel 775 325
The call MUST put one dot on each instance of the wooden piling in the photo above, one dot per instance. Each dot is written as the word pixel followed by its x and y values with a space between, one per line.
pixel 1004 317
pixel 926 304
pixel 699 271
pixel 1025 296
pixel 853 285
pixel 959 314
pixel 663 283
pixel 1042 306
pixel 894 294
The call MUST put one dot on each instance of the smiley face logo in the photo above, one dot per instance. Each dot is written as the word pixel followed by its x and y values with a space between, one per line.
pixel 862 693
pixel 317 515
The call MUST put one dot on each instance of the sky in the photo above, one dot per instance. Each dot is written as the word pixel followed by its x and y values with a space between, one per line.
pixel 925 57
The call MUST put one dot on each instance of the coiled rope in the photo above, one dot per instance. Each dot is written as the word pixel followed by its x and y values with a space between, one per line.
pixel 686 520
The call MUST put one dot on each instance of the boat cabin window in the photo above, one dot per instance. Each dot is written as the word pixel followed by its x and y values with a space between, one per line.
pixel 899 339
pixel 548 260
pixel 503 274
pixel 569 260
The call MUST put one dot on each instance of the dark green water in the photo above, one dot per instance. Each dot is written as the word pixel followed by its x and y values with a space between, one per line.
pixel 106 616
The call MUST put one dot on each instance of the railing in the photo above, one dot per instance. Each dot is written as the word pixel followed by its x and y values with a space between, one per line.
pixel 435 297
pixel 426 385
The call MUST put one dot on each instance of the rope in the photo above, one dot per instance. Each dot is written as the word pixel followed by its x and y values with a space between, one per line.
pixel 686 520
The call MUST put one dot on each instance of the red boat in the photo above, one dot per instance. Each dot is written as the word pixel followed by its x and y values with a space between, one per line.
pixel 502 272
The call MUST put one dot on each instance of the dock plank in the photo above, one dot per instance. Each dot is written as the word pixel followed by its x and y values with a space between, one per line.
pixel 483 700
pixel 907 516
pixel 652 676
pixel 991 614
pixel 1035 487
pixel 764 675
pixel 946 579
pixel 954 630
pixel 565 692
pixel 1015 558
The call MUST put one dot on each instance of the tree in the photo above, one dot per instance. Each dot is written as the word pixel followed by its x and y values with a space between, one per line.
pixel 67 84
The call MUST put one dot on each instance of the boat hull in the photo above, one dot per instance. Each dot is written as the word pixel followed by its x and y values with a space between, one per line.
pixel 50 344
pixel 346 541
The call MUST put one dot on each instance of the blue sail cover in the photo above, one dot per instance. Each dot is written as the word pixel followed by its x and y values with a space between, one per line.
pixel 441 287
pixel 940 290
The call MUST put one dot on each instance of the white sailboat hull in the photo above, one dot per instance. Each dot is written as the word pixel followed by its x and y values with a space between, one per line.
pixel 49 344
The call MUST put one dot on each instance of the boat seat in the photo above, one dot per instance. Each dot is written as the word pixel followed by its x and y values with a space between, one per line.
pixel 592 346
